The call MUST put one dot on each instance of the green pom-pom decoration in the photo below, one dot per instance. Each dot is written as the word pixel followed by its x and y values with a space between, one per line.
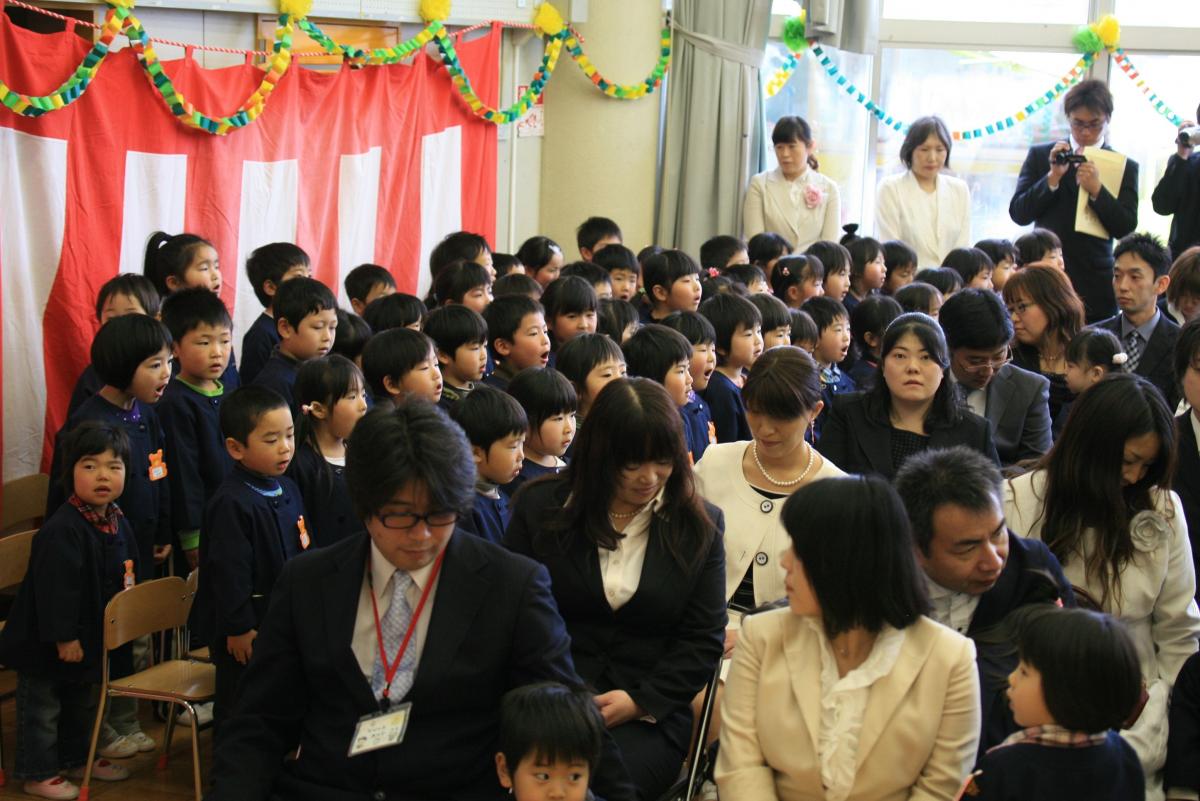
pixel 1087 40
pixel 793 35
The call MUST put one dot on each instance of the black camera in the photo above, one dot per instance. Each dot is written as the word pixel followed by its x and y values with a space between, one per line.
pixel 1067 157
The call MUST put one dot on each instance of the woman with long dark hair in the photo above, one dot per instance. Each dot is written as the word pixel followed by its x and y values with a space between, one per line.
pixel 1046 315
pixel 637 567
pixel 1101 500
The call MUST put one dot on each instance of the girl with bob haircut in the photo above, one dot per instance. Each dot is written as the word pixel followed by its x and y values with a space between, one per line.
pixel 912 407
pixel 1101 501
pixel 925 206
pixel 793 200
pixel 845 693
pixel 636 566
pixel 1077 680
pixel 542 257
pixel 590 361
pixel 766 249
pixel 1046 315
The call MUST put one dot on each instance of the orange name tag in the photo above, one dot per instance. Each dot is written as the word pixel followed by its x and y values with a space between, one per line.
pixel 712 433
pixel 305 540
pixel 158 468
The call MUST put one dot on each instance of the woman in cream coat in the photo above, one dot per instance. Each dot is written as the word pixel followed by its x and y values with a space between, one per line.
pixel 924 207
pixel 849 693
pixel 1105 488
pixel 793 200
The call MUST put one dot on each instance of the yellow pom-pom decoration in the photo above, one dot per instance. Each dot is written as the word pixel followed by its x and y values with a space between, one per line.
pixel 296 9
pixel 434 10
pixel 1109 30
pixel 548 20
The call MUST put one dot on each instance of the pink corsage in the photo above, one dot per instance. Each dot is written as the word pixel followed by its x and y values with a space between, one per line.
pixel 813 196
pixel 713 272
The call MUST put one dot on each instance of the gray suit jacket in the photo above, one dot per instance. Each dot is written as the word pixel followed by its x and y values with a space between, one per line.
pixel 1019 412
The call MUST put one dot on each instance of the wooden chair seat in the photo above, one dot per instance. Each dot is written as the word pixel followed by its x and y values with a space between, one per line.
pixel 180 679
pixel 201 654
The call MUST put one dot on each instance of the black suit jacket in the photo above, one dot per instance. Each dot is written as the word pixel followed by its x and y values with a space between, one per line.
pixel 1157 362
pixel 1089 259
pixel 1187 482
pixel 1178 193
pixel 1018 409
pixel 494 626
pixel 662 646
pixel 858 443
pixel 1183 741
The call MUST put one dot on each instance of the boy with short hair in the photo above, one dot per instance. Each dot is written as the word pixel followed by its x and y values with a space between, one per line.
pixel 723 251
pixel 395 310
pixel 1140 276
pixel 516 284
pixel 495 425
pixel 594 234
pixel 400 363
pixel 833 343
pixel 306 318
pixel 672 283
pixel 267 268
pixel 460 340
pixel 738 328
pixel 594 274
pixel 1039 246
pixel 518 337
pixel 664 355
pixel 776 320
pixel 368 282
pixel 697 417
pixel 202 333
pixel 900 261
pixel 623 270
pixel 253 523
pixel 550 403
pixel 351 336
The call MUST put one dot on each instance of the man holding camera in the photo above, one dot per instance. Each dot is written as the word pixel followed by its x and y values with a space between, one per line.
pixel 1178 192
pixel 1048 190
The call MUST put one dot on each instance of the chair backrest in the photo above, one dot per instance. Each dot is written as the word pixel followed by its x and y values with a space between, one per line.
pixel 193 584
pixel 144 609
pixel 14 557
pixel 24 500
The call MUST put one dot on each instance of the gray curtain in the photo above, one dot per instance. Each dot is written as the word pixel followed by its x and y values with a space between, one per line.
pixel 714 123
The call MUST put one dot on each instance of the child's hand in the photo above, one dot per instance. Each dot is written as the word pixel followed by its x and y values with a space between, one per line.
pixel 70 651
pixel 161 553
pixel 617 707
pixel 731 638
pixel 193 557
pixel 241 646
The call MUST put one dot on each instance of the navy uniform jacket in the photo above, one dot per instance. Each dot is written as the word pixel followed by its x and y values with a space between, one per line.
pixel 489 517
pixel 529 471
pixel 698 426
pixel 1088 259
pixel 1157 362
pixel 724 399
pixel 1183 742
pixel 322 486
pixel 74 571
pixel 88 385
pixel 1178 193
pixel 279 374
pixel 199 459
pixel 248 535
pixel 493 627
pixel 146 503
pixel 1033 772
pixel 257 346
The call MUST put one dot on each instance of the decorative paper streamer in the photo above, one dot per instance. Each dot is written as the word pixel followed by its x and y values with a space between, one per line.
pixel 1121 59
pixel 357 57
pixel 624 91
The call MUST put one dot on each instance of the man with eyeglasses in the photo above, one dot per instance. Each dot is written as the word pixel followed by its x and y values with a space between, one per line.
pixel 379 667
pixel 1014 401
pixel 1047 194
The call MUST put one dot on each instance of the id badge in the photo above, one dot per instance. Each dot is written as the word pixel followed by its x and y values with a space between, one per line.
pixel 380 729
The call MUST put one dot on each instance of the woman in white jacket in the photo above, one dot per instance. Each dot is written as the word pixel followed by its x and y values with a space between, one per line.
pixel 925 207
pixel 1101 500
pixel 793 200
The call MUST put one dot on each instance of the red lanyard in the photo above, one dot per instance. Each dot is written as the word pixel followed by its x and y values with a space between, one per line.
pixel 390 672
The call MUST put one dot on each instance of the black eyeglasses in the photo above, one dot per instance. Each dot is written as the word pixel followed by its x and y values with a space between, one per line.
pixel 402 521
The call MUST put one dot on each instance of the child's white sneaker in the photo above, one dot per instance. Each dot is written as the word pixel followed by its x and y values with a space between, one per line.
pixel 143 741
pixel 204 715
pixel 120 748
pixel 103 770
pixel 58 787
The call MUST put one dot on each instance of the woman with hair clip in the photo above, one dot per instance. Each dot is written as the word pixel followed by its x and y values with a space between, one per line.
pixel 911 408
pixel 637 569
pixel 1046 315
pixel 793 200
pixel 1101 501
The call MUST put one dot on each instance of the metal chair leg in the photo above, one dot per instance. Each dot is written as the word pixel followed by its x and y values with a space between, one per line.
pixel 166 754
pixel 195 751
pixel 85 789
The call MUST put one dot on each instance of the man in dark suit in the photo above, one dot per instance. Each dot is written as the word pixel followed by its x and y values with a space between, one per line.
pixel 1148 335
pixel 1186 481
pixel 1047 194
pixel 461 622
pixel 977 571
pixel 1178 193
pixel 1014 401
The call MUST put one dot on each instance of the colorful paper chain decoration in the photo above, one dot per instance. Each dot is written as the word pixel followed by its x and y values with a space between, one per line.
pixel 624 91
pixel 358 57
pixel 1121 59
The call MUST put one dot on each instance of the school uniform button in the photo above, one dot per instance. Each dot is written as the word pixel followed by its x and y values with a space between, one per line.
pixel 760 558
pixel 379 795
pixel 765 507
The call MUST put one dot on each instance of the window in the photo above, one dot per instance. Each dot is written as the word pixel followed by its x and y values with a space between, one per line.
pixel 1040 11
pixel 1167 13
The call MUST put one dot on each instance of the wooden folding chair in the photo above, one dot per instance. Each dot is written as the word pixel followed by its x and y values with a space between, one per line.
pixel 199 654
pixel 14 563
pixel 24 502
pixel 152 607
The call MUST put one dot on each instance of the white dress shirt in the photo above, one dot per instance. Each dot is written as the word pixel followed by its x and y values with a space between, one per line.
pixel 621 569
pixel 950 608
pixel 365 642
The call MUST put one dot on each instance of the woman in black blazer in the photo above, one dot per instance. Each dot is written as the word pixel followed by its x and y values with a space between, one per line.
pixel 913 406
pixel 637 567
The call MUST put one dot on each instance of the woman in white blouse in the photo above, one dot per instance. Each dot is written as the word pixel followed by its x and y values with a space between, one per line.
pixel 923 206
pixel 849 693
pixel 1101 500
pixel 793 200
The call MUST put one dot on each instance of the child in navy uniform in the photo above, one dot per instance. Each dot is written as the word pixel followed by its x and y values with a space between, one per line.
pixel 551 738
pixel 1077 681
pixel 267 268
pixel 332 397
pixel 517 335
pixel 738 327
pixel 833 345
pixel 366 283
pixel 697 419
pixel 202 332
pixel 549 402
pixel 1181 775
pixel 571 306
pixel 306 317
pixel 672 283
pixel 253 524
pixel 460 338
pixel 128 293
pixel 776 320
pixel 495 425
pixel 400 363
pixel 590 362
pixel 664 355
pixel 82 556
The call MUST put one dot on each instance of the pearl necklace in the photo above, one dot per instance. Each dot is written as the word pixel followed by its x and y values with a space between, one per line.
pixel 773 480
pixel 628 515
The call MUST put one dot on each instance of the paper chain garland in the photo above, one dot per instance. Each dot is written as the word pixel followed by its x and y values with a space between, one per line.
pixel 120 18
pixel 1103 33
